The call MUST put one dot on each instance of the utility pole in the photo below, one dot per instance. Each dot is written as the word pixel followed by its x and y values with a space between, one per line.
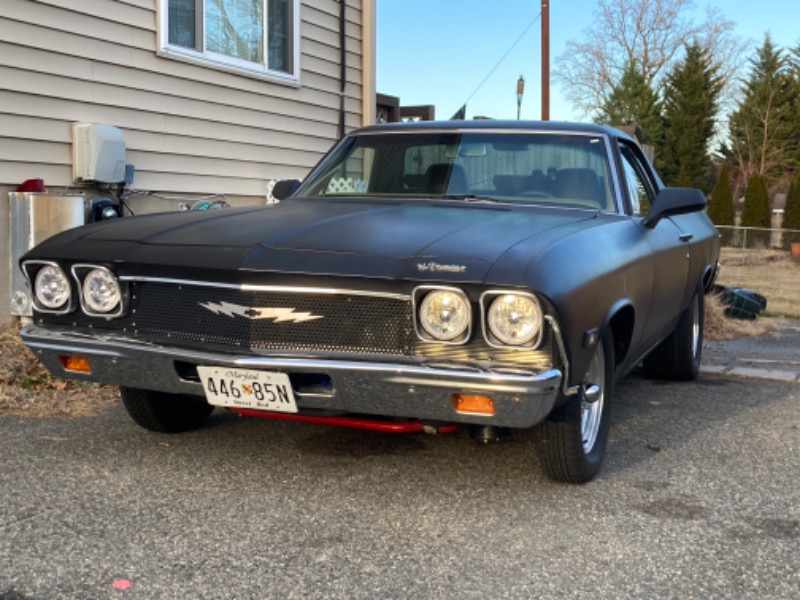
pixel 520 91
pixel 545 60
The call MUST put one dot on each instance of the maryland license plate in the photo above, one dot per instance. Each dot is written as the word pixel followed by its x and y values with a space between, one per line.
pixel 243 388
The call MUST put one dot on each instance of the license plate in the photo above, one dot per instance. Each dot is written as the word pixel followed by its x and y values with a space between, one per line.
pixel 243 388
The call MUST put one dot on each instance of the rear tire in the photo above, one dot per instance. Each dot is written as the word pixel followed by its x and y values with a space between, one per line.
pixel 678 357
pixel 572 441
pixel 166 413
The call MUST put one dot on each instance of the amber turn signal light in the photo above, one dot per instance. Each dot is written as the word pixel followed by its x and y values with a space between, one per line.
pixel 70 362
pixel 469 404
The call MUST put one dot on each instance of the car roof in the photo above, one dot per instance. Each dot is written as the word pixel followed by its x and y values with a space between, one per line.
pixel 493 125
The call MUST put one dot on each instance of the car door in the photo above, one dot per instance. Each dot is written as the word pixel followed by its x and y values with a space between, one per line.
pixel 668 245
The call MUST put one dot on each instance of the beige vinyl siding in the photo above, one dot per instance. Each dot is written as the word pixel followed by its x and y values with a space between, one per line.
pixel 188 128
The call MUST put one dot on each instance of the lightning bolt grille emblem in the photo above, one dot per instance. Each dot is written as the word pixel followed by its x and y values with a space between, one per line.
pixel 278 315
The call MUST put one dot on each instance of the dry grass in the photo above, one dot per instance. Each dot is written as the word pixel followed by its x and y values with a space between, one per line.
pixel 718 326
pixel 772 273
pixel 27 389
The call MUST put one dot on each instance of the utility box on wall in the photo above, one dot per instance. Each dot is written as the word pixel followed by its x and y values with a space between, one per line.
pixel 33 218
pixel 98 153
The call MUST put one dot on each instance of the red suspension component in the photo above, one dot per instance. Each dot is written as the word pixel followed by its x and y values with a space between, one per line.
pixel 353 422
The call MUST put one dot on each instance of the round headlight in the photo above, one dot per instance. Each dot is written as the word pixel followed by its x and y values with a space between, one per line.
pixel 514 320
pixel 51 287
pixel 101 292
pixel 444 314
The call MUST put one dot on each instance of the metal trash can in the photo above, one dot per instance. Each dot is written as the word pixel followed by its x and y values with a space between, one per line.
pixel 34 217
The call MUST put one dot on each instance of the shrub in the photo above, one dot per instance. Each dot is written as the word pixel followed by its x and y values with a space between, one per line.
pixel 756 211
pixel 791 216
pixel 720 209
pixel 683 178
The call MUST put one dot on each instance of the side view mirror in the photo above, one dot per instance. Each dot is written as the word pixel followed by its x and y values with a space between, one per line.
pixel 285 188
pixel 674 201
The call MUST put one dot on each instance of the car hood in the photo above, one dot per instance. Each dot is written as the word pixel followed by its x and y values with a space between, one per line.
pixel 416 240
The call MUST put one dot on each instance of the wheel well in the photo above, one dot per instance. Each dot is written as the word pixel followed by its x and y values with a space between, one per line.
pixel 621 325
pixel 710 276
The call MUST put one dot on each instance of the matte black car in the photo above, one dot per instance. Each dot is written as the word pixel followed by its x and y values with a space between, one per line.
pixel 499 275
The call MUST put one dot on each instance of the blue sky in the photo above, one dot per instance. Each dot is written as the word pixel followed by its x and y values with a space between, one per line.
pixel 438 51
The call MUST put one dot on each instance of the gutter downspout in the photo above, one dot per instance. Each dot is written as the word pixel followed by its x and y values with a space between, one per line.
pixel 368 96
pixel 342 65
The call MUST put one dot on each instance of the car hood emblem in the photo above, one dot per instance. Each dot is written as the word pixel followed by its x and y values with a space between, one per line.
pixel 434 267
pixel 279 315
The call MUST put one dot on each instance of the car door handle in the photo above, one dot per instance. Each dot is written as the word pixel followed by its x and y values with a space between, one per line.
pixel 685 237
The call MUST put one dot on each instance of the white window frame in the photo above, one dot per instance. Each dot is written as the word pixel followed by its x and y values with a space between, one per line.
pixel 229 63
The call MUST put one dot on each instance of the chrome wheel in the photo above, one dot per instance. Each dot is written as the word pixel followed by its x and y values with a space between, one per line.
pixel 696 325
pixel 592 412
pixel 572 440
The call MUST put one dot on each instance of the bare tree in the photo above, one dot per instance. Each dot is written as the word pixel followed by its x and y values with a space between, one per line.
pixel 652 33
pixel 763 128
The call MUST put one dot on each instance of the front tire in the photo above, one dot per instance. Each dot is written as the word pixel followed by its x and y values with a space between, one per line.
pixel 678 357
pixel 165 413
pixel 572 441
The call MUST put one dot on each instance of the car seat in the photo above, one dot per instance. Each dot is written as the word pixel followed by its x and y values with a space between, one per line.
pixel 444 178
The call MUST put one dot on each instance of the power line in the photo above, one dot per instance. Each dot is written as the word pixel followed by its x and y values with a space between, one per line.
pixel 499 62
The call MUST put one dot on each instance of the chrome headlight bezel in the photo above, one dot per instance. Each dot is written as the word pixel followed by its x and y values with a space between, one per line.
pixel 422 296
pixel 34 270
pixel 497 339
pixel 81 272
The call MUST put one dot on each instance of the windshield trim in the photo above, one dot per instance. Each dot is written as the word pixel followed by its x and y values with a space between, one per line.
pixel 611 155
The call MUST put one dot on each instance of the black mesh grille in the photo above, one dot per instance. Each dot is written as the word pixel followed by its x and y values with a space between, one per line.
pixel 345 323
pixel 350 324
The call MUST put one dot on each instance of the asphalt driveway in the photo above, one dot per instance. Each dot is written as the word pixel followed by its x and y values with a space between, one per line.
pixel 699 497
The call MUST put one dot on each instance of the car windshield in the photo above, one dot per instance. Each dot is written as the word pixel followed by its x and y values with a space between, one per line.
pixel 563 169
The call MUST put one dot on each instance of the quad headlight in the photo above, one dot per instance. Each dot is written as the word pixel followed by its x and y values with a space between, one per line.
pixel 97 287
pixel 513 319
pixel 444 315
pixel 101 292
pixel 51 288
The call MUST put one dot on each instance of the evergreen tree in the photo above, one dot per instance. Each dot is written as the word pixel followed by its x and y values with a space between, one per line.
pixel 791 215
pixel 633 102
pixel 684 179
pixel 720 209
pixel 794 62
pixel 763 128
pixel 690 106
pixel 756 211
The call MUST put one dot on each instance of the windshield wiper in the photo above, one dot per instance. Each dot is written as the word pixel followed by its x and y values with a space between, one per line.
pixel 473 198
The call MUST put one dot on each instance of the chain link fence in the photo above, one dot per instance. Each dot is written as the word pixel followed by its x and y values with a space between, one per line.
pixel 759 238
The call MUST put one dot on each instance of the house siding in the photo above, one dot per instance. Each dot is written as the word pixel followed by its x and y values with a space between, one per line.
pixel 217 132
pixel 190 130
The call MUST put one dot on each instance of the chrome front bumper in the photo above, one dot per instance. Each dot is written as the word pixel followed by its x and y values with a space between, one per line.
pixel 521 399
